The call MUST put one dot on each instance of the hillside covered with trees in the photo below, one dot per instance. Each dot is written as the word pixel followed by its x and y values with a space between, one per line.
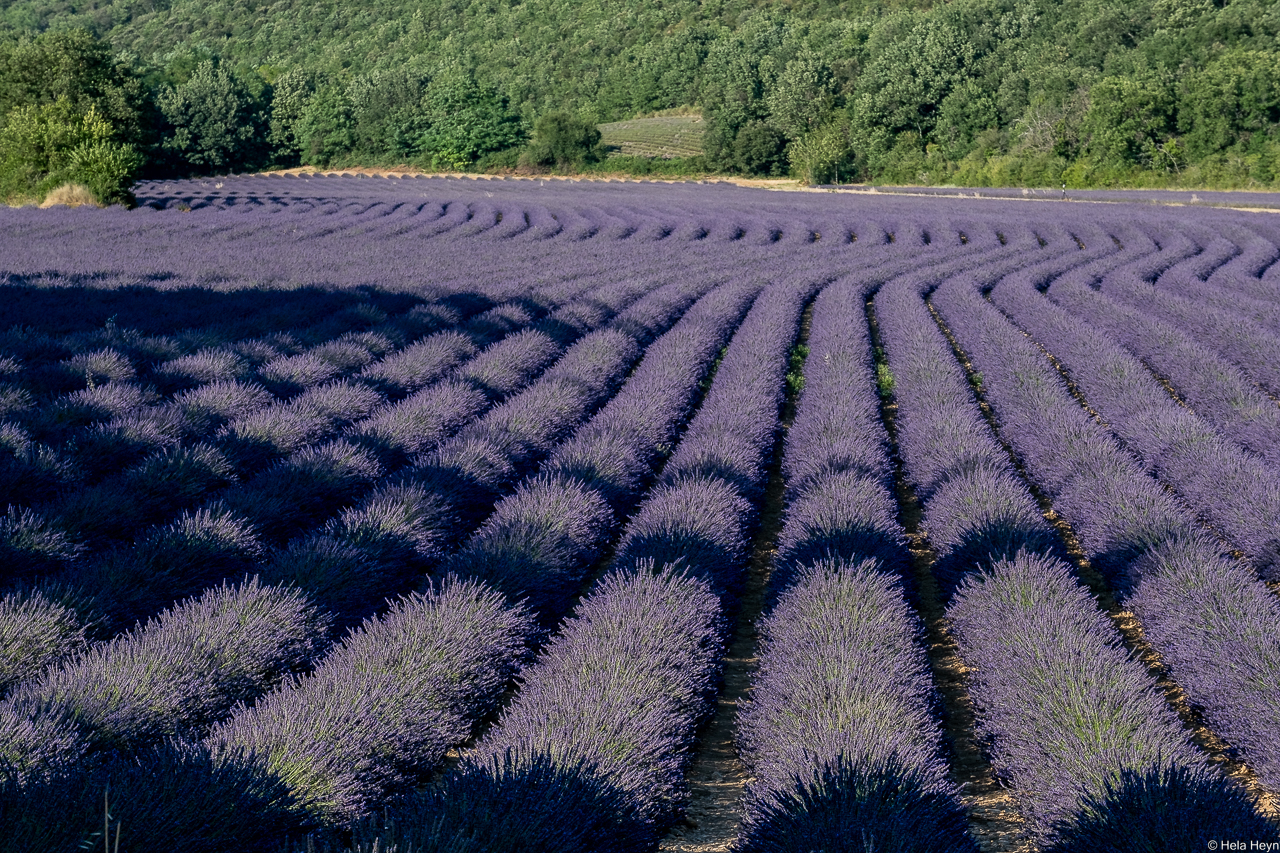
pixel 979 92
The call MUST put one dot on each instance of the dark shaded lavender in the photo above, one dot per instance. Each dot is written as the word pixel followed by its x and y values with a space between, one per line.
pixel 1172 810
pixel 888 806
pixel 198 550
pixel 304 489
pixel 514 803
pixel 538 544
pixel 31 545
pixel 146 494
pixel 31 471
pixel 178 673
pixel 367 554
pixel 383 707
pixel 175 796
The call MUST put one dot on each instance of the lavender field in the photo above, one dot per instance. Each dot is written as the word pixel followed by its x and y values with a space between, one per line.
pixel 422 514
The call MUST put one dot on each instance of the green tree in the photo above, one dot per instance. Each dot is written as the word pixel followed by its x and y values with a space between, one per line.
pixel 326 130
pixel 906 82
pixel 802 96
pixel 759 149
pixel 563 140
pixel 741 67
pixel 290 96
pixel 1128 119
pixel 74 66
pixel 467 120
pixel 45 146
pixel 825 155
pixel 1235 97
pixel 212 123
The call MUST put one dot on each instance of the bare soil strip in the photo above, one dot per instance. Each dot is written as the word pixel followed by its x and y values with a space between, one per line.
pixel 994 819
pixel 1132 635
pixel 716 776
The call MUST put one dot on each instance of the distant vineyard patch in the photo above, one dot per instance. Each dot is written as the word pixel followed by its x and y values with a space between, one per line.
pixel 664 138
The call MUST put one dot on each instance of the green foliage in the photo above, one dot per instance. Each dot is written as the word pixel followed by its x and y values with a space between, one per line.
pixel 759 149
pixel 1233 99
pixel 43 147
pixel 467 120
pixel 290 96
pixel 326 129
pixel 795 370
pixel 74 66
pixel 564 141
pixel 802 96
pixel 212 123
pixel 1127 119
pixel 1103 92
pixel 825 156
pixel 905 83
pixel 884 381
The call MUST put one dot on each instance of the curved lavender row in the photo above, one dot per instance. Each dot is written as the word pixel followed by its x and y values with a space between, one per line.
pixel 1234 490
pixel 1212 622
pixel 976 509
pixel 840 638
pixel 1213 388
pixel 599 812
pixel 390 536
pixel 1069 714
pixel 448 492
pixel 1243 273
pixel 177 674
pixel 1252 348
pixel 980 516
pixel 526 546
pixel 614 701
pixel 344 778
pixel 540 540
pixel 1232 284
pixel 383 707
pixel 395 431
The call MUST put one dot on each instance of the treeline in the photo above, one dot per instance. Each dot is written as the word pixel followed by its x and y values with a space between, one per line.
pixel 75 114
pixel 979 92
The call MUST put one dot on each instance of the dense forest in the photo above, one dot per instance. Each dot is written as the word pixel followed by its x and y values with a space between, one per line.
pixel 976 92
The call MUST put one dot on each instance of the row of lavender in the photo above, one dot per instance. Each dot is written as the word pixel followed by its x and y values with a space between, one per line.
pixel 1211 620
pixel 1129 528
pixel 54 740
pixel 811 792
pixel 229 533
pixel 417 678
pixel 393 642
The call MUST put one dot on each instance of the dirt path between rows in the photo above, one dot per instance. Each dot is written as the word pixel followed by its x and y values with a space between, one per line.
pixel 716 777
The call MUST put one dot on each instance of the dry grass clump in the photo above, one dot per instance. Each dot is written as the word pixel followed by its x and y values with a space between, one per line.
pixel 70 194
